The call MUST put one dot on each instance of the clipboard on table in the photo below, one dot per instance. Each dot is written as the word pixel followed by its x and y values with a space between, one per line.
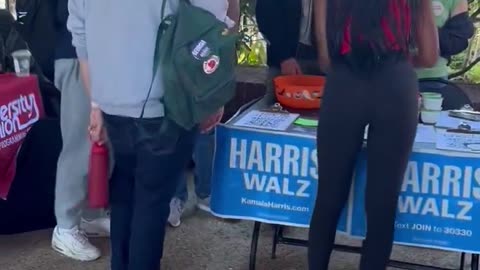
pixel 460 139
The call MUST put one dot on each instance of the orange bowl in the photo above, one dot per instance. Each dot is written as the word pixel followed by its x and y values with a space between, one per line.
pixel 299 91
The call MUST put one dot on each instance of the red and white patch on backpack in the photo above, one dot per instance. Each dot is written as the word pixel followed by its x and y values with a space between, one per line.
pixel 211 65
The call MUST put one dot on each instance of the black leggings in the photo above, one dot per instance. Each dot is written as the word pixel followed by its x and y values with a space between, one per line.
pixel 387 101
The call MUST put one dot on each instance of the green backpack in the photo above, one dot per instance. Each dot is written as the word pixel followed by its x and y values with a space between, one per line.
pixel 197 56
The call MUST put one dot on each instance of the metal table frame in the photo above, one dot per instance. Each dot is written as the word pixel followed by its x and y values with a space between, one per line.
pixel 279 238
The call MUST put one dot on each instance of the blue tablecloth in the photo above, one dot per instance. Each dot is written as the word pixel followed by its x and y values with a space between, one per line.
pixel 271 177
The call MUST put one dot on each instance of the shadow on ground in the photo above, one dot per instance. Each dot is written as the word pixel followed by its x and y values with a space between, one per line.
pixel 201 243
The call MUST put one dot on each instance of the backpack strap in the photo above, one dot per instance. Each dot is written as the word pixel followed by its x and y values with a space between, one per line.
pixel 161 30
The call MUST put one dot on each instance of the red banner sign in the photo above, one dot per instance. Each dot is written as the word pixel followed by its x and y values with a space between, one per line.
pixel 20 107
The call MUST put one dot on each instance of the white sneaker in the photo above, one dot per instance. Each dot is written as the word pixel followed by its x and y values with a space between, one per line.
pixel 204 204
pixel 177 207
pixel 74 244
pixel 99 227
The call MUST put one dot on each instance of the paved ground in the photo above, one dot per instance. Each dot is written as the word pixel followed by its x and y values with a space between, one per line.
pixel 201 243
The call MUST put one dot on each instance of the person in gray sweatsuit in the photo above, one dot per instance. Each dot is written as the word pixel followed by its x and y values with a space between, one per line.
pixel 74 221
pixel 115 43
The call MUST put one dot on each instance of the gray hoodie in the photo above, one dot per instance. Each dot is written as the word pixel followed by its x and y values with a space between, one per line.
pixel 118 38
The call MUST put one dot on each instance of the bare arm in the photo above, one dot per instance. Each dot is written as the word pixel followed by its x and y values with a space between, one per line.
pixel 462 7
pixel 234 12
pixel 85 76
pixel 320 15
pixel 426 36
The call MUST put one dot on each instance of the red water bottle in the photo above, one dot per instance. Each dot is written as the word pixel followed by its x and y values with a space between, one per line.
pixel 98 176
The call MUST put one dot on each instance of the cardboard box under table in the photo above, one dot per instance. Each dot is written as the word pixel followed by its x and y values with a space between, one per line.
pixel 270 176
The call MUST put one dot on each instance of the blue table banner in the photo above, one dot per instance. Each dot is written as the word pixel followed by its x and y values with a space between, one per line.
pixel 438 206
pixel 262 177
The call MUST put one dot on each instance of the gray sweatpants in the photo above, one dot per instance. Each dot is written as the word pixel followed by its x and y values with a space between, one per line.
pixel 72 167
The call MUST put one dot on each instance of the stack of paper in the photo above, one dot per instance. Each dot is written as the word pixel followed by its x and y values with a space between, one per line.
pixel 448 122
pixel 267 120
pixel 455 141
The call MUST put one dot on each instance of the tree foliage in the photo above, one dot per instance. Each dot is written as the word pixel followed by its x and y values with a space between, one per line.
pixel 251 47
pixel 465 65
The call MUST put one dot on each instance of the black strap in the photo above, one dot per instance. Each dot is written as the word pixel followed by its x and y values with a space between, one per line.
pixel 155 55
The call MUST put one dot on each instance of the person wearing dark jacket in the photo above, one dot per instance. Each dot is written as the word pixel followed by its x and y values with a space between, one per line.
pixel 74 221
pixel 455 28
pixel 35 24
pixel 11 40
pixel 288 28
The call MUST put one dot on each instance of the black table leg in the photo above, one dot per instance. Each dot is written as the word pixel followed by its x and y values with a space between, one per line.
pixel 276 234
pixel 254 245
pixel 280 232
pixel 475 261
pixel 279 238
pixel 462 261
